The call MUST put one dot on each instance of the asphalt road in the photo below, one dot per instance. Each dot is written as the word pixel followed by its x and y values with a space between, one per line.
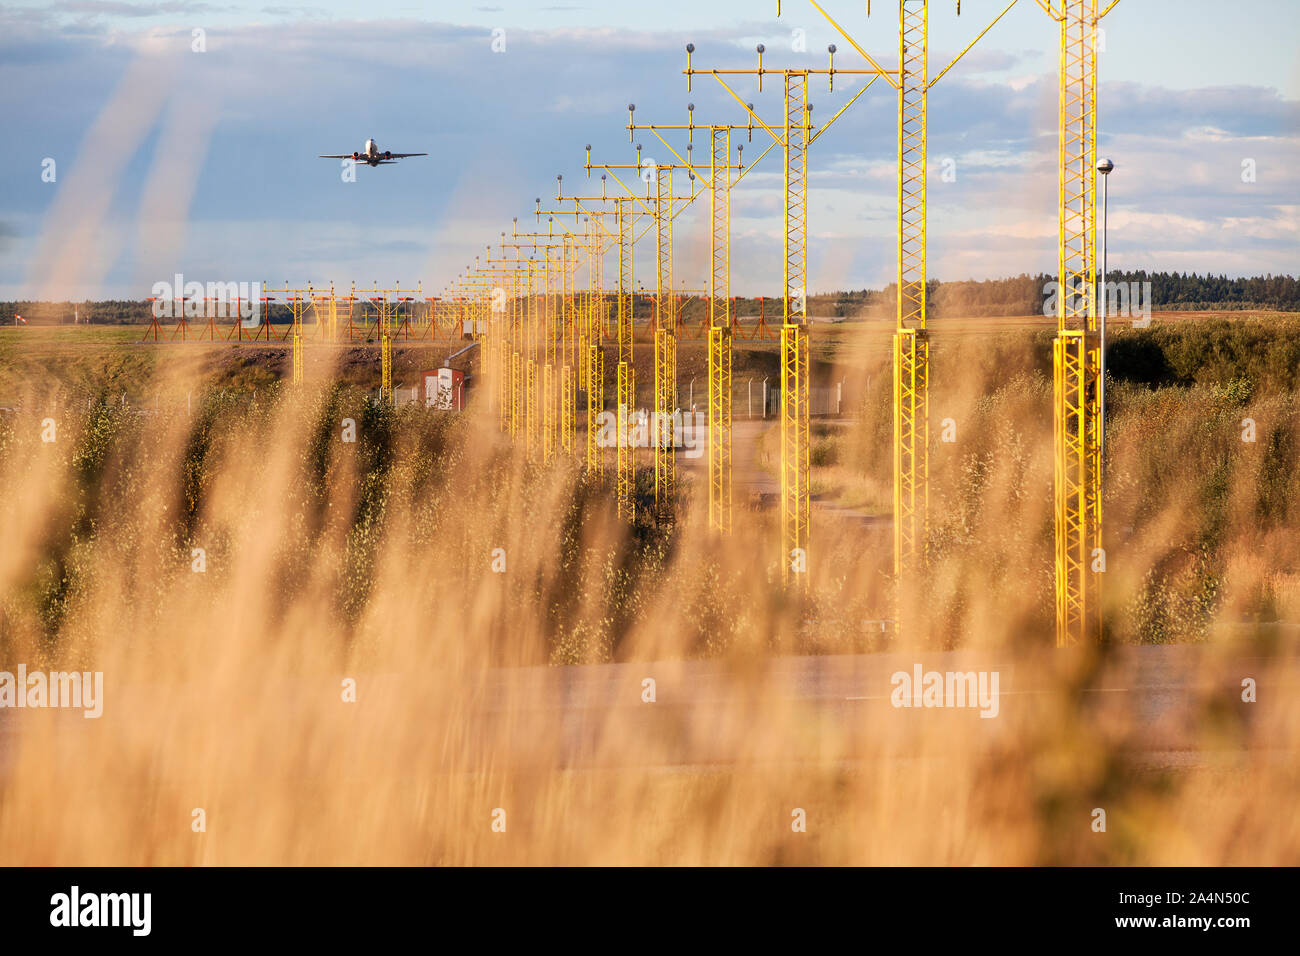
pixel 1156 700
pixel 1171 704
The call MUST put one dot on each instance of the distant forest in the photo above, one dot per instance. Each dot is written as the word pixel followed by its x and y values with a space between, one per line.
pixel 1023 295
pixel 1020 295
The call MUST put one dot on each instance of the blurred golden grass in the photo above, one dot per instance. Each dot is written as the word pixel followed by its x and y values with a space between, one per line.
pixel 373 561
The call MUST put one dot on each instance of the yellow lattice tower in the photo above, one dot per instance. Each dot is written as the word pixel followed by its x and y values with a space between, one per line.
pixel 324 306
pixel 532 416
pixel 662 209
pixel 480 284
pixel 664 438
pixel 443 314
pixel 352 301
pixel 332 330
pixel 386 303
pixel 500 275
pixel 794 330
pixel 506 335
pixel 550 385
pixel 625 374
pixel 589 351
pixel 595 405
pixel 578 308
pixel 545 326
pixel 455 316
pixel 432 304
pixel 625 395
pixel 598 243
pixel 1076 352
pixel 483 285
pixel 576 352
pixel 525 336
pixel 544 372
pixel 522 337
pixel 514 339
pixel 911 345
pixel 795 137
pixel 665 208
pixel 911 365
pixel 485 332
pixel 402 311
pixel 666 345
pixel 509 358
pixel 582 309
pixel 595 311
pixel 568 346
pixel 592 352
pixel 489 303
pixel 582 337
pixel 402 316
pixel 497 345
pixel 518 351
pixel 720 331
pixel 716 176
pixel 298 302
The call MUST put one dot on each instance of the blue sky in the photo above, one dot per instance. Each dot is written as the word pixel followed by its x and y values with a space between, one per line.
pixel 169 160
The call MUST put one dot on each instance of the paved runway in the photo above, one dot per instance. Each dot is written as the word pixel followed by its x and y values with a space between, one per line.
pixel 1156 700
pixel 1171 703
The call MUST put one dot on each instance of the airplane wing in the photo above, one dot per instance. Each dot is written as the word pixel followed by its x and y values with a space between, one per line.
pixel 334 156
pixel 404 155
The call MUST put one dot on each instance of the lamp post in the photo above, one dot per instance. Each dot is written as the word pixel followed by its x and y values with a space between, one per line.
pixel 1104 167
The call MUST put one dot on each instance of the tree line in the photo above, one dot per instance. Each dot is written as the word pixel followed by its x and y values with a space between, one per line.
pixel 1025 295
pixel 1017 295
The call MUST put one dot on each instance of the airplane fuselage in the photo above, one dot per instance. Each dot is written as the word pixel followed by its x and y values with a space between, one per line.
pixel 371 155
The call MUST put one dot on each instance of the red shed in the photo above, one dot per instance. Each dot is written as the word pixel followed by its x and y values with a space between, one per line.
pixel 444 388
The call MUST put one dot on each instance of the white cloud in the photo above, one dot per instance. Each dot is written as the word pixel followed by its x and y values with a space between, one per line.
pixel 500 126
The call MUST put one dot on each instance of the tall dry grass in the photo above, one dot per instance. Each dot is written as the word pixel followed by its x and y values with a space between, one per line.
pixel 373 562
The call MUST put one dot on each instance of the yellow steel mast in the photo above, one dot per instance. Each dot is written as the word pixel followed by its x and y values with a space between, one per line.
pixel 589 347
pixel 542 324
pixel 581 354
pixel 911 345
pixel 794 329
pixel 568 390
pixel 795 136
pixel 298 303
pixel 325 305
pixel 519 365
pixel 717 177
pixel 503 338
pixel 625 385
pixel 720 329
pixel 665 348
pixel 1076 352
pixel 664 207
pixel 911 350
pixel 386 308
pixel 550 392
pixel 592 351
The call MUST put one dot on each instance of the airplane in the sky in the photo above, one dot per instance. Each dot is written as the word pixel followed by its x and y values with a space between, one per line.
pixel 372 155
